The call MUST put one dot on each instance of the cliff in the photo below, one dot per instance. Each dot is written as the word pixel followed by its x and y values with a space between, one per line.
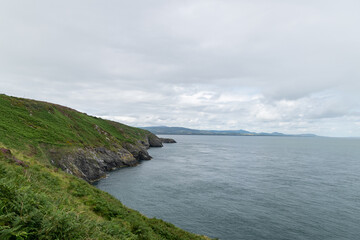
pixel 46 153
pixel 92 163
pixel 82 145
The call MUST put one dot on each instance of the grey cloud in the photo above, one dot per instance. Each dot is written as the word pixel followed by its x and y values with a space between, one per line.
pixel 258 65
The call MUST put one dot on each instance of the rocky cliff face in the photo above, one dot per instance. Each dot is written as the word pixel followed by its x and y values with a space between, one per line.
pixel 92 164
pixel 167 140
pixel 82 145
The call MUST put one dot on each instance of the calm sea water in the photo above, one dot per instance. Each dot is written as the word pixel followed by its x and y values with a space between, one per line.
pixel 249 187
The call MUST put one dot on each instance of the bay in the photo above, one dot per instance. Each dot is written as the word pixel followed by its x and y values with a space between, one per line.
pixel 234 187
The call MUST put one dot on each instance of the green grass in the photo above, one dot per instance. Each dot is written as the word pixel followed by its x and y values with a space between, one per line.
pixel 39 201
pixel 31 125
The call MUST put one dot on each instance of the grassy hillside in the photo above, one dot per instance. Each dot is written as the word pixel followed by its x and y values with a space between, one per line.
pixel 26 124
pixel 39 201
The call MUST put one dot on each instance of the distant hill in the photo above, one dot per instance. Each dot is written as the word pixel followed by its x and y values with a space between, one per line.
pixel 189 131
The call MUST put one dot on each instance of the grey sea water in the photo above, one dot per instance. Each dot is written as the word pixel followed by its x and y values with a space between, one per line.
pixel 249 187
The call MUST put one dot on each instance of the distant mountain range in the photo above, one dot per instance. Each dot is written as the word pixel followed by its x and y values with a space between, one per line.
pixel 188 131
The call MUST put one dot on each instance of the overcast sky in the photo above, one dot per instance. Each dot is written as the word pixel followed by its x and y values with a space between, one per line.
pixel 259 65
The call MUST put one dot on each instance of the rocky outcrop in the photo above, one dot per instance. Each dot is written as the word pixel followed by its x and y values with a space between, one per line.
pixel 167 140
pixel 92 164
pixel 138 151
pixel 154 141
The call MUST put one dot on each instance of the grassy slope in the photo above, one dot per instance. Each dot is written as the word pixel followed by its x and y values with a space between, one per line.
pixel 25 124
pixel 41 202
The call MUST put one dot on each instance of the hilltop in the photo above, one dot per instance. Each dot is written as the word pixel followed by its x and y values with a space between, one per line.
pixel 46 153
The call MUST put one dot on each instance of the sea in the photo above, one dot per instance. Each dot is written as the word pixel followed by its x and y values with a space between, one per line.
pixel 243 187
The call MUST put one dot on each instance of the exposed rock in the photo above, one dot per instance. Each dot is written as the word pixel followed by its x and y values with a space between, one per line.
pixel 138 151
pixel 91 164
pixel 154 141
pixel 167 140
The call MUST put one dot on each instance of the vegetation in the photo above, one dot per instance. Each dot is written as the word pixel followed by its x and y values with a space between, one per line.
pixel 39 201
pixel 30 125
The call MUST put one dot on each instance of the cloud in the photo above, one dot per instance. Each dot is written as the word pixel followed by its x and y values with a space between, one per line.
pixel 258 65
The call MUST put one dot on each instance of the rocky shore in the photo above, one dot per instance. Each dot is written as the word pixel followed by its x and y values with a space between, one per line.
pixel 167 140
pixel 92 164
